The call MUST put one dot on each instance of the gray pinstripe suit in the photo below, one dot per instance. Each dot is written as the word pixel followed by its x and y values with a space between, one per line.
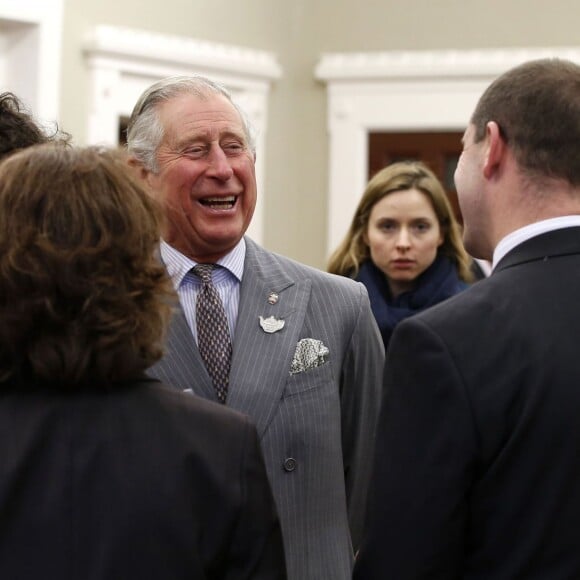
pixel 323 418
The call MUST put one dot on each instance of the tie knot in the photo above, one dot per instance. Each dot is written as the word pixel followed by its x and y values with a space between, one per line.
pixel 203 272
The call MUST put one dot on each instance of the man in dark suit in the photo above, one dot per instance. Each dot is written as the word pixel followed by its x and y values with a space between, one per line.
pixel 477 471
pixel 294 348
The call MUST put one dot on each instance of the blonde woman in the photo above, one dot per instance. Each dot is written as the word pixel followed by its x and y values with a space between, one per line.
pixel 404 245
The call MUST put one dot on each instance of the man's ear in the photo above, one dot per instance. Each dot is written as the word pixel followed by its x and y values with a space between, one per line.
pixel 138 169
pixel 496 149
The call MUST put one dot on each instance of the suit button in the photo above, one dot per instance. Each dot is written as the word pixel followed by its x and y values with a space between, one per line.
pixel 290 464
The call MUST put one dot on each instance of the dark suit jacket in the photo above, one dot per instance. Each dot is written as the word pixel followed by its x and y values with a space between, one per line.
pixel 478 455
pixel 317 426
pixel 140 483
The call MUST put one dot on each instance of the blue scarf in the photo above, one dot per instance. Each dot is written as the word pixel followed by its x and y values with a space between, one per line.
pixel 437 283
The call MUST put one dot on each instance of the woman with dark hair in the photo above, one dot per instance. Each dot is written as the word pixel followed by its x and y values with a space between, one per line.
pixel 19 129
pixel 404 245
pixel 105 473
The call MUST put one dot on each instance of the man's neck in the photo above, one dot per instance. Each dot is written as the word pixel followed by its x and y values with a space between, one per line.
pixel 524 206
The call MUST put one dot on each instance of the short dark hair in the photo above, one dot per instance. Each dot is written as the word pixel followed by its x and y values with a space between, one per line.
pixel 18 129
pixel 84 300
pixel 537 108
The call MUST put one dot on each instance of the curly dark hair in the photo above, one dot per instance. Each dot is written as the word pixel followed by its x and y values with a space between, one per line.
pixel 18 129
pixel 84 299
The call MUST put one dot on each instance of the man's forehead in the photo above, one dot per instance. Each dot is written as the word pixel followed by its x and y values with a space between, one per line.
pixel 196 107
pixel 187 117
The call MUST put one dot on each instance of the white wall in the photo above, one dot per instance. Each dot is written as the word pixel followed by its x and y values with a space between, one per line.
pixel 30 53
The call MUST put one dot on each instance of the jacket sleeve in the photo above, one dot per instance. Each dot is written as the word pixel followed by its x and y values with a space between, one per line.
pixel 361 388
pixel 425 459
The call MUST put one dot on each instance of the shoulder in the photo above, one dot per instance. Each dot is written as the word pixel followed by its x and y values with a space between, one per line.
pixel 257 256
pixel 178 406
pixel 468 312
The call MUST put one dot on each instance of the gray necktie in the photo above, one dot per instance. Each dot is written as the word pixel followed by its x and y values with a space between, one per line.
pixel 213 334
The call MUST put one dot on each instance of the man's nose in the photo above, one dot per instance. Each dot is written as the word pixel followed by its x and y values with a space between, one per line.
pixel 219 164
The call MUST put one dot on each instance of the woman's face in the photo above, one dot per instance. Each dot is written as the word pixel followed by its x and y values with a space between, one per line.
pixel 403 235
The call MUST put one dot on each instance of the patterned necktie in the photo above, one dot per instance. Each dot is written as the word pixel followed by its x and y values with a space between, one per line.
pixel 213 335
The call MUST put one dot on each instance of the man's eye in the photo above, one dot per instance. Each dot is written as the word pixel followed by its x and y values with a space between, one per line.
pixel 195 151
pixel 233 147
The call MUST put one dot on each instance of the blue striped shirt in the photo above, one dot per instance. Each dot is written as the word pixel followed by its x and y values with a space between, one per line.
pixel 226 279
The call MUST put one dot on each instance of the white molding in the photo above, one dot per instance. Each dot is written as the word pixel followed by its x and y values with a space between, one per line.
pixel 30 53
pixel 431 64
pixel 400 91
pixel 125 43
pixel 123 62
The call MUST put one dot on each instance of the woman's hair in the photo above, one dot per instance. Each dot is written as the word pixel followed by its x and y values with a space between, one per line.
pixel 18 129
pixel 401 176
pixel 84 300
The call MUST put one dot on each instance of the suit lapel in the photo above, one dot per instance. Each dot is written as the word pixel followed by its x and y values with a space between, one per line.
pixel 562 242
pixel 261 360
pixel 183 357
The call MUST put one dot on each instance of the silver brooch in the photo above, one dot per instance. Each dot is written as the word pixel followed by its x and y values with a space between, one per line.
pixel 271 324
pixel 272 298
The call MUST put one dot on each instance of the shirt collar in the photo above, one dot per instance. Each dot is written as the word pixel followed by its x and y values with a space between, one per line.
pixel 521 235
pixel 178 265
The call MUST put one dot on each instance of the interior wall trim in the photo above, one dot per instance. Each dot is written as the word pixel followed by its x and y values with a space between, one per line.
pixel 30 54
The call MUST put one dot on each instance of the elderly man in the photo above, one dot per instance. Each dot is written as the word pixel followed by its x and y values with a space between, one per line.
pixel 477 471
pixel 294 348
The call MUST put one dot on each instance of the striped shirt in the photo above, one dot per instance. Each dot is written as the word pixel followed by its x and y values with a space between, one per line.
pixel 226 279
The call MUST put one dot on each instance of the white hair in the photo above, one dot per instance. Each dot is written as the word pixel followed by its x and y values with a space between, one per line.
pixel 145 130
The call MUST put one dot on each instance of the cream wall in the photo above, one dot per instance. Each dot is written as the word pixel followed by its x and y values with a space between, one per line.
pixel 298 32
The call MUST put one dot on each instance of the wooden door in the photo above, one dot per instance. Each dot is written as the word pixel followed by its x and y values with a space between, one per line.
pixel 439 151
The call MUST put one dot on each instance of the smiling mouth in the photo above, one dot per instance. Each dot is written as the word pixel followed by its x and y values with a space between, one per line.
pixel 219 202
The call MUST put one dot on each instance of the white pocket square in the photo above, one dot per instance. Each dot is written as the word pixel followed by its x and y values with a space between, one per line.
pixel 310 353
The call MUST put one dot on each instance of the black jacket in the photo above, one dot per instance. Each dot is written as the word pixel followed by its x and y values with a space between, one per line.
pixel 478 451
pixel 143 482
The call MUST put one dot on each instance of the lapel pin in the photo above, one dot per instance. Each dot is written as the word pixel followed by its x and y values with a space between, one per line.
pixel 271 324
pixel 272 298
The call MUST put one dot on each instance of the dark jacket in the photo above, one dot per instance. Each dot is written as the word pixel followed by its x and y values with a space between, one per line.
pixel 477 473
pixel 142 482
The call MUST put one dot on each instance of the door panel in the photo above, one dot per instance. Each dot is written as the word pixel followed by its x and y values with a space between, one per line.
pixel 439 151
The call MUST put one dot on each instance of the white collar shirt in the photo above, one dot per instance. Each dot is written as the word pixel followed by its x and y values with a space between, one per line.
pixel 517 237
pixel 226 279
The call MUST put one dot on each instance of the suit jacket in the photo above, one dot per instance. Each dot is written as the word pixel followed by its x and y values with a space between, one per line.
pixel 316 427
pixel 478 455
pixel 142 482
